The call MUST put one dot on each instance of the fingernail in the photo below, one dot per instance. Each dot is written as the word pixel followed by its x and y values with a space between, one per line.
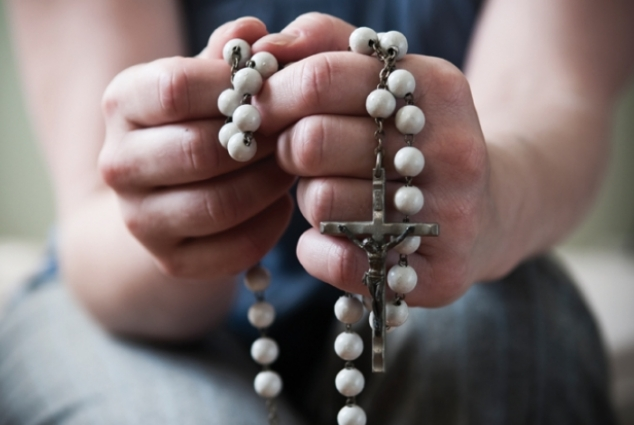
pixel 281 39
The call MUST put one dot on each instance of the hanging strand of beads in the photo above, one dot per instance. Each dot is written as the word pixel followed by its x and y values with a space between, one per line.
pixel 408 162
pixel 349 346
pixel 381 103
pixel 264 350
pixel 243 119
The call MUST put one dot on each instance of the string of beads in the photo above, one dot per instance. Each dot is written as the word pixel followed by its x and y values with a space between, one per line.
pixel 264 350
pixel 247 75
pixel 236 135
pixel 381 103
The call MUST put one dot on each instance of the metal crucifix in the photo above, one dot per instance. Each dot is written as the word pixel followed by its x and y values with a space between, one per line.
pixel 376 246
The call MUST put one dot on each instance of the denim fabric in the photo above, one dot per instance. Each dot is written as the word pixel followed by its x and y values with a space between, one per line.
pixel 523 350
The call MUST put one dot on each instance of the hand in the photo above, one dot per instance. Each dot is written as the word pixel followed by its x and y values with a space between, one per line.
pixel 328 141
pixel 201 214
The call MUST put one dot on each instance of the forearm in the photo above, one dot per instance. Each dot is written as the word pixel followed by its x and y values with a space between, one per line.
pixel 69 51
pixel 545 76
pixel 120 284
pixel 544 178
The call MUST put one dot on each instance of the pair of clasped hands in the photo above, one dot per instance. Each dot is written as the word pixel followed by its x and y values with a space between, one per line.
pixel 204 216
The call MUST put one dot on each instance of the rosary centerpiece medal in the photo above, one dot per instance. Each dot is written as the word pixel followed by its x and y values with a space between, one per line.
pixel 376 236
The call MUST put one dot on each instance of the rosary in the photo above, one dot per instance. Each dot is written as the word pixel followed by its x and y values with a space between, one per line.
pixel 376 237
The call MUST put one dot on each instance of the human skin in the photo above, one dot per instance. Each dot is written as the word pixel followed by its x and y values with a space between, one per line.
pixel 151 239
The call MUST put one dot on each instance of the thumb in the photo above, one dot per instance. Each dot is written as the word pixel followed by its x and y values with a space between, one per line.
pixel 307 35
pixel 249 29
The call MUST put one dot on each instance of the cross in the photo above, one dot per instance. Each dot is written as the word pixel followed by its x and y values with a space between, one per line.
pixel 376 247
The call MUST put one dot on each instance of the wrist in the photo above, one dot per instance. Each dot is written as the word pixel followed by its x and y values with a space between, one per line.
pixel 509 234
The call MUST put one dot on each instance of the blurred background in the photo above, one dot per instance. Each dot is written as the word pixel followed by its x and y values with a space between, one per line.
pixel 600 254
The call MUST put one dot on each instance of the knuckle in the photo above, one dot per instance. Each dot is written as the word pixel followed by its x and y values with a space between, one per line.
pixel 134 221
pixel 322 201
pixel 451 83
pixel 112 170
pixel 107 167
pixel 173 87
pixel 308 140
pixel 174 265
pixel 469 157
pixel 114 95
pixel 197 150
pixel 220 207
pixel 110 101
pixel 343 265
pixel 315 78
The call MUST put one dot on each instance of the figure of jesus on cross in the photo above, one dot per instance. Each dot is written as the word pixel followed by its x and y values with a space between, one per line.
pixel 376 248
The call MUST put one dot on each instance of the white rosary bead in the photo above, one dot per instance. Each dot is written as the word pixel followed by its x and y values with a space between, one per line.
pixel 360 38
pixel 400 83
pixel 265 63
pixel 226 132
pixel 348 346
pixel 410 119
pixel 349 382
pixel 247 118
pixel 394 40
pixel 402 279
pixel 267 384
pixel 351 415
pixel 409 245
pixel 228 101
pixel 380 103
pixel 348 310
pixel 396 314
pixel 261 314
pixel 264 350
pixel 247 81
pixel 409 161
pixel 239 151
pixel 257 279
pixel 408 200
pixel 245 51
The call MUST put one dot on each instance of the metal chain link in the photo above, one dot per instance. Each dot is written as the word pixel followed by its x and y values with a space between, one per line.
pixel 271 405
pixel 236 55
pixel 388 59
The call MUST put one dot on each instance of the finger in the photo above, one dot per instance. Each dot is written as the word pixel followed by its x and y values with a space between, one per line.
pixel 320 84
pixel 345 199
pixel 170 155
pixel 342 264
pixel 166 91
pixel 248 29
pixel 337 145
pixel 339 83
pixel 307 35
pixel 215 256
pixel 344 146
pixel 165 216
